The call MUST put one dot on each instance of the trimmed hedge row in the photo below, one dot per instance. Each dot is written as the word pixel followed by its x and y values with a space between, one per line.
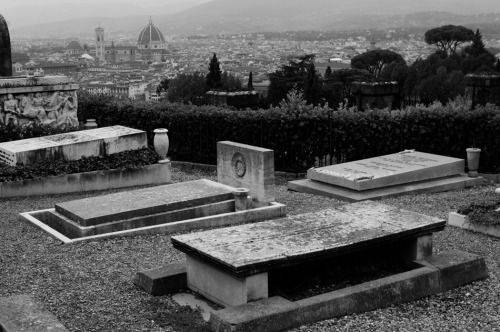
pixel 300 137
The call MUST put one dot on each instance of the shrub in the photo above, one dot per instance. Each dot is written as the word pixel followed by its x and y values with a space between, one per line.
pixel 299 134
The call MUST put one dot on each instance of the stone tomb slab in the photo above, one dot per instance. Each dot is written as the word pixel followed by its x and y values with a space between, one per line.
pixel 246 253
pixel 247 166
pixel 73 145
pixel 141 202
pixel 389 170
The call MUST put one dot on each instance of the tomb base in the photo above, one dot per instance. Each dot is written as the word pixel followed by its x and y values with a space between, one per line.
pixel 430 186
pixel 222 288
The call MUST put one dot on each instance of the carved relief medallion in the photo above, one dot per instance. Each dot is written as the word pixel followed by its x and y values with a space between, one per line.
pixel 239 164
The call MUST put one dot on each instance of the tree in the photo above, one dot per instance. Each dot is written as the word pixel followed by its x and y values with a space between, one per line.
pixel 214 76
pixel 250 81
pixel 477 47
pixel 163 86
pixel 187 88
pixel 230 82
pixel 311 84
pixel 448 37
pixel 375 60
pixel 291 76
pixel 328 72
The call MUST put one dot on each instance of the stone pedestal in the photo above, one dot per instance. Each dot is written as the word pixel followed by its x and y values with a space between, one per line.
pixel 375 95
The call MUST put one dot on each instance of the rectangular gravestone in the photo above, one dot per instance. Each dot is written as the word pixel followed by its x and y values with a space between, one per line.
pixel 251 250
pixel 386 176
pixel 141 202
pixel 247 166
pixel 73 145
pixel 388 170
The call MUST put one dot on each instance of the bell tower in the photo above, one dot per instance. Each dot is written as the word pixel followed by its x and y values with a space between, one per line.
pixel 99 44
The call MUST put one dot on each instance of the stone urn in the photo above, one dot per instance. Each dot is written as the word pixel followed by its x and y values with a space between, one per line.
pixel 473 161
pixel 90 124
pixel 161 143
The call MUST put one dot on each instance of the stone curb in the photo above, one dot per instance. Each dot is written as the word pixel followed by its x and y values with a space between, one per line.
pixel 89 181
pixel 462 221
pixel 438 273
pixel 21 313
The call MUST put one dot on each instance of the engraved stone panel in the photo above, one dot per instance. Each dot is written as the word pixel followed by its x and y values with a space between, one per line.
pixel 384 171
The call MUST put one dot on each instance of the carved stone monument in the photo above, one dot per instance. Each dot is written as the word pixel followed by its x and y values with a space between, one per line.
pixel 5 51
pixel 49 100
pixel 385 176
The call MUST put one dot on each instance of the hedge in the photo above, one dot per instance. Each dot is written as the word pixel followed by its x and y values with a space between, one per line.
pixel 302 137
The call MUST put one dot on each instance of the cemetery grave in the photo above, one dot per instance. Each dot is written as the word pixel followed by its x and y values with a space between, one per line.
pixel 73 145
pixel 234 266
pixel 386 176
pixel 175 207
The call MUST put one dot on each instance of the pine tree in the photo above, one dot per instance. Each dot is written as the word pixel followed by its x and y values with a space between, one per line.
pixel 250 82
pixel 214 76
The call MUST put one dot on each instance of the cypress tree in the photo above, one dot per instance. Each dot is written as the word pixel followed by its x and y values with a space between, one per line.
pixel 214 76
pixel 250 81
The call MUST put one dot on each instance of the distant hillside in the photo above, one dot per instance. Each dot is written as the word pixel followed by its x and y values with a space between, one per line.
pixel 243 16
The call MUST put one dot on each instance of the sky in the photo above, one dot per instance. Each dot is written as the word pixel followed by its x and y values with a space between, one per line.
pixel 20 13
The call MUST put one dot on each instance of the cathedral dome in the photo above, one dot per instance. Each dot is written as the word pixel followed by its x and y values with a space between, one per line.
pixel 150 34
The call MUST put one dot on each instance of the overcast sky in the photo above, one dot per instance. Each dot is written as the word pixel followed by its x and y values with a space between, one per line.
pixel 27 12
pixel 19 13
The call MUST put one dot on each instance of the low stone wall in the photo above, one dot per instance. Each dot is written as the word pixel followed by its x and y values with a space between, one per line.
pixel 89 181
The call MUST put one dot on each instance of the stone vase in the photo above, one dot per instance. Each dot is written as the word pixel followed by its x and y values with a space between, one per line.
pixel 161 142
pixel 473 161
pixel 90 124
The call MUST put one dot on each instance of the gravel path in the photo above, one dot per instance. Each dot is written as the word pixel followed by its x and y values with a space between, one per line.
pixel 88 286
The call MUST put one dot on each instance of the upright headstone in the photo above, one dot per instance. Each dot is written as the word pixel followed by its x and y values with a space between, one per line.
pixel 5 50
pixel 247 166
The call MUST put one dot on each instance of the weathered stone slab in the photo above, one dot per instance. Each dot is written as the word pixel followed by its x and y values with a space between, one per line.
pixel 350 195
pixel 142 202
pixel 255 248
pixel 73 145
pixel 247 166
pixel 20 313
pixel 389 170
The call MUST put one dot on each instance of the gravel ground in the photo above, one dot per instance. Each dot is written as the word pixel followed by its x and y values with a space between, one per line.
pixel 88 286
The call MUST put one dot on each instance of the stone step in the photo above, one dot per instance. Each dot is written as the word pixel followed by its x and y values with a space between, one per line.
pixel 142 202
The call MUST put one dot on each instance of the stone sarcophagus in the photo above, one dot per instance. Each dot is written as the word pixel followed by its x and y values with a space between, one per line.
pixel 39 99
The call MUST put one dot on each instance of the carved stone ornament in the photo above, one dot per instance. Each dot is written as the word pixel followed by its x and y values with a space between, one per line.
pixel 239 164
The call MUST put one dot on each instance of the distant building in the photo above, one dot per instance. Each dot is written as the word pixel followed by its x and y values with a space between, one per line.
pixel 20 57
pixel 151 44
pixel 74 48
pixel 151 47
pixel 50 68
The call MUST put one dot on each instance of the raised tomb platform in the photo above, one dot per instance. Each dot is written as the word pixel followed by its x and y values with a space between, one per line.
pixel 73 145
pixel 175 207
pixel 50 100
pixel 386 176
